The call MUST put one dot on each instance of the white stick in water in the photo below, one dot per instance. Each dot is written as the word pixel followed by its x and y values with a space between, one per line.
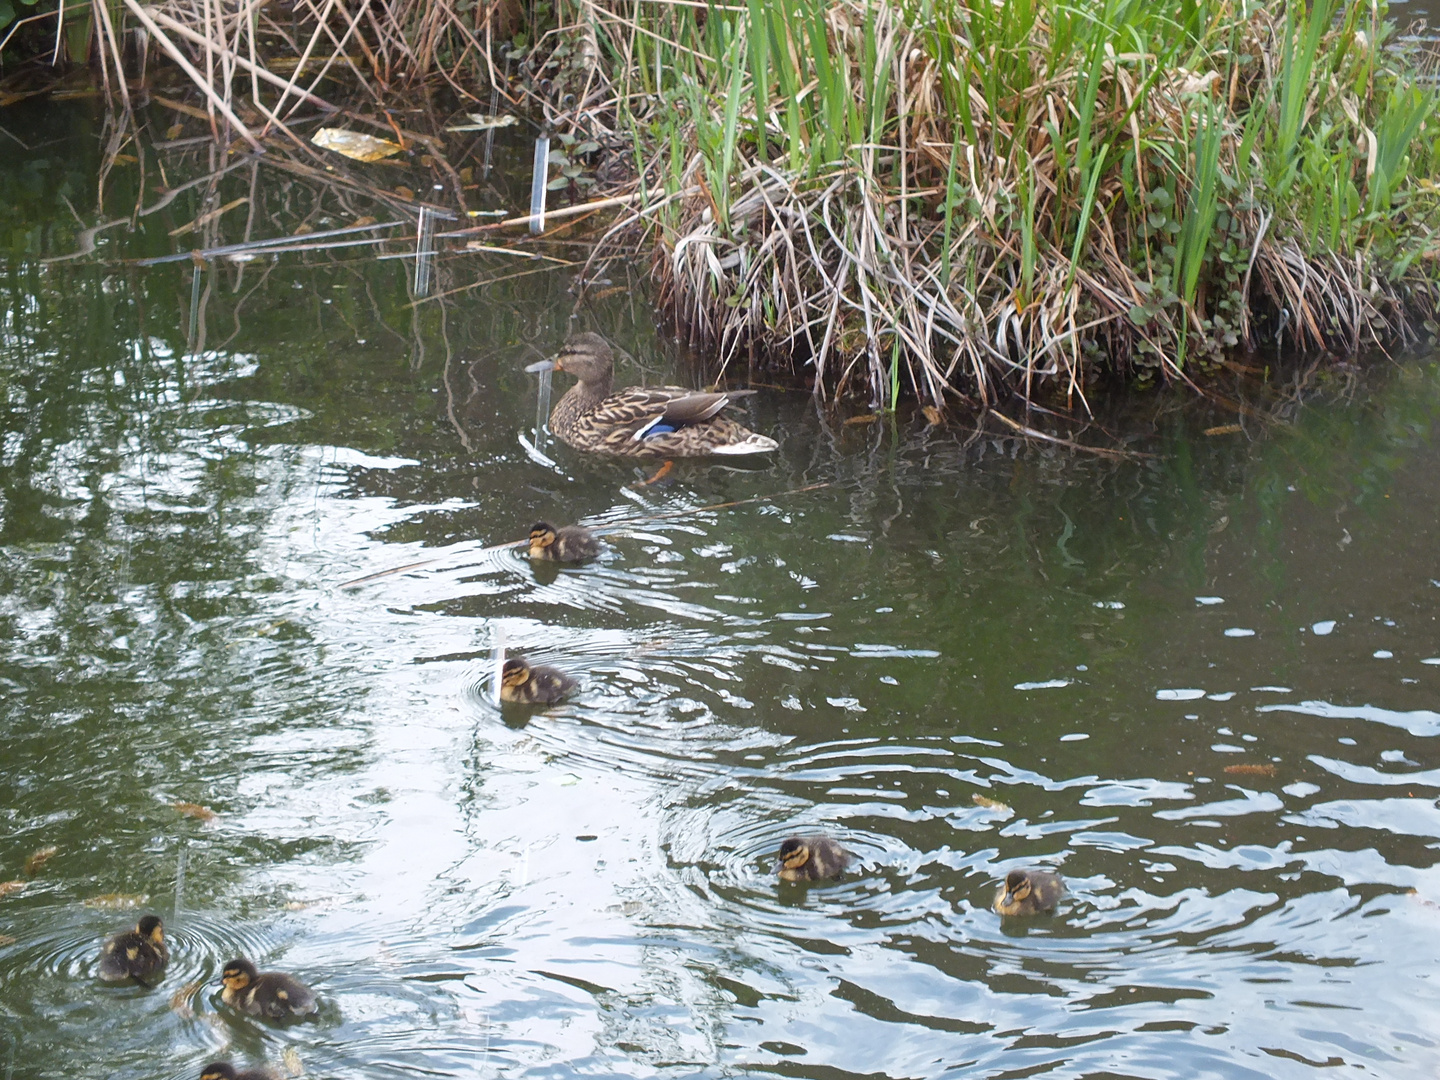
pixel 499 659
pixel 180 862
pixel 542 410
pixel 538 181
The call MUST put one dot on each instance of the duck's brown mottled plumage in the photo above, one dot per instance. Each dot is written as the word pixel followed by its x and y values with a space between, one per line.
pixel 1029 892
pixel 623 423
pixel 223 1070
pixel 136 954
pixel 271 994
pixel 812 858
pixel 521 684
pixel 569 543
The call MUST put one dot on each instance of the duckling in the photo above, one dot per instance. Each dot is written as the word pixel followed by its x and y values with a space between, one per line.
pixel 1029 892
pixel 135 954
pixel 521 684
pixel 641 421
pixel 223 1070
pixel 272 994
pixel 811 858
pixel 569 543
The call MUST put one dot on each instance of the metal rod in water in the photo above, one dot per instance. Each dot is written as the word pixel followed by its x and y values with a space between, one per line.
pixel 424 251
pixel 542 410
pixel 537 183
pixel 197 268
pixel 180 878
pixel 499 659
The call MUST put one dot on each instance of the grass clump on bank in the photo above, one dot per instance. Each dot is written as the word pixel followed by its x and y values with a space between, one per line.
pixel 980 198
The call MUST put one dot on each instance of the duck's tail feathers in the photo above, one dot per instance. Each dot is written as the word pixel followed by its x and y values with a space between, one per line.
pixel 751 444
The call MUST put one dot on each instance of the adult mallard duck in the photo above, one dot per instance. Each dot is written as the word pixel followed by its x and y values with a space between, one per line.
pixel 1029 892
pixel 135 954
pixel 272 994
pixel 812 858
pixel 569 543
pixel 642 421
pixel 521 684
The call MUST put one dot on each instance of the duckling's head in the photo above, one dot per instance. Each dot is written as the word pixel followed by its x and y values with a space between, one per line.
pixel 1017 887
pixel 542 535
pixel 150 927
pixel 238 974
pixel 794 853
pixel 587 356
pixel 515 672
pixel 218 1070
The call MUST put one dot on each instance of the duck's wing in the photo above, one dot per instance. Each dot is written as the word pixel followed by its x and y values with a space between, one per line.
pixel 640 408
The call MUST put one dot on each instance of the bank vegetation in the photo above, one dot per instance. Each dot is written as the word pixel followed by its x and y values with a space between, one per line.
pixel 950 199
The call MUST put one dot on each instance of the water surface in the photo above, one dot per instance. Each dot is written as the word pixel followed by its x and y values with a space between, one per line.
pixel 1202 683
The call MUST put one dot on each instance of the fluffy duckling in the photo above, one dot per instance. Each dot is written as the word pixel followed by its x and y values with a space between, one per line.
pixel 272 994
pixel 135 954
pixel 569 543
pixel 1029 892
pixel 521 684
pixel 223 1070
pixel 811 858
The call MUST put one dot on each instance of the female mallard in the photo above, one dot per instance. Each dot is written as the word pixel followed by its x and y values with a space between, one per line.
pixel 135 954
pixel 223 1070
pixel 1029 892
pixel 643 421
pixel 569 543
pixel 521 684
pixel 272 994
pixel 812 858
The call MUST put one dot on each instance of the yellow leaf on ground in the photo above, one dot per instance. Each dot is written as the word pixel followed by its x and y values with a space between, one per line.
pixel 355 144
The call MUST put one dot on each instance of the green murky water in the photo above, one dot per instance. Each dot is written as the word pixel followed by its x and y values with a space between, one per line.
pixel 1090 646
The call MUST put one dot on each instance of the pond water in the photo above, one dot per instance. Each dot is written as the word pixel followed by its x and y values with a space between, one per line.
pixel 1202 681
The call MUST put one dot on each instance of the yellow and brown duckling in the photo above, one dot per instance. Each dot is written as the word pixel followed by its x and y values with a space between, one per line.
pixel 811 858
pixel 271 994
pixel 523 684
pixel 223 1070
pixel 136 954
pixel 641 421
pixel 1029 892
pixel 569 543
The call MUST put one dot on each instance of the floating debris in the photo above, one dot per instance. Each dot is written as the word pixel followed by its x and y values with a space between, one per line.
pixel 8 887
pixel 479 122
pixel 355 144
pixel 39 858
pixel 6 939
pixel 182 1001
pixel 990 804
pixel 290 1058
pixel 1250 770
pixel 195 810
pixel 113 901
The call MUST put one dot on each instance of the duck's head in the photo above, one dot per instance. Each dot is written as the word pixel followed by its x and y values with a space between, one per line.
pixel 150 927
pixel 218 1070
pixel 587 356
pixel 238 974
pixel 1017 887
pixel 515 672
pixel 542 535
pixel 794 853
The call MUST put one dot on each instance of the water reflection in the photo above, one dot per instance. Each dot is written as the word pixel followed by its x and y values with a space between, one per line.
pixel 958 657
